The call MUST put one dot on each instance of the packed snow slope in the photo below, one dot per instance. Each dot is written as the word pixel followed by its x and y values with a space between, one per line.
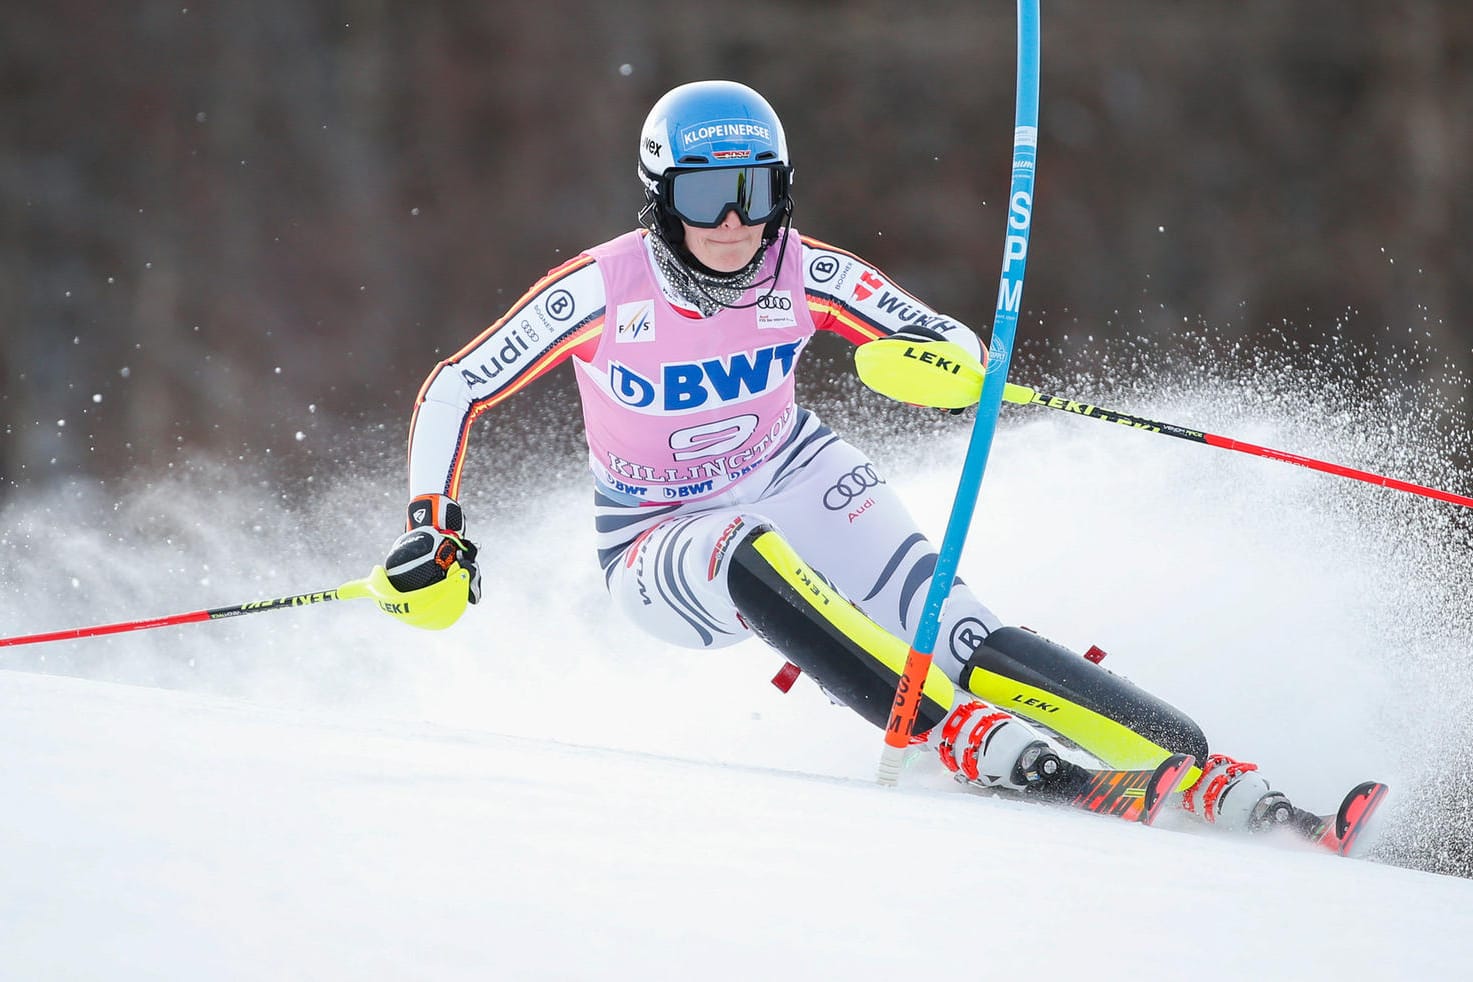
pixel 540 792
pixel 154 834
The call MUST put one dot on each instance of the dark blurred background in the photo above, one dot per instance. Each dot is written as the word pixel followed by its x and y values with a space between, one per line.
pixel 242 229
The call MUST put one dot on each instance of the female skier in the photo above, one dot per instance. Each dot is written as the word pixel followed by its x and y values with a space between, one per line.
pixel 723 509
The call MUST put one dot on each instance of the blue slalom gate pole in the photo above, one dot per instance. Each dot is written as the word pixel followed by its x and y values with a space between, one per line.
pixel 1004 329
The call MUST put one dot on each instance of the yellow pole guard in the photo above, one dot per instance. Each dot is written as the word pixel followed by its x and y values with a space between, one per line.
pixel 432 608
pixel 922 373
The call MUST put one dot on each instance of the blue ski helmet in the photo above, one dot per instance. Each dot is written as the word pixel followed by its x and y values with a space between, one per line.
pixel 711 147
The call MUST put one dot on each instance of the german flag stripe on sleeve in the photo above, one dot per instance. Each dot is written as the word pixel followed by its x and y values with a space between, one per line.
pixel 835 313
pixel 534 336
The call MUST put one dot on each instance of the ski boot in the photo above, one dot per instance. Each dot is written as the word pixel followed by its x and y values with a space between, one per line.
pixel 997 749
pixel 1232 794
pixel 1338 832
pixel 1000 753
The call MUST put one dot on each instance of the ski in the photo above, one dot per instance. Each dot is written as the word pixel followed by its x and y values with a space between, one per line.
pixel 1139 796
pixel 1134 795
pixel 1339 832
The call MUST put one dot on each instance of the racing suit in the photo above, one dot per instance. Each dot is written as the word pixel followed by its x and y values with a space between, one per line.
pixel 693 426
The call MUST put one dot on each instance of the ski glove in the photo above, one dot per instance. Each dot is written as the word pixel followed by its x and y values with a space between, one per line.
pixel 430 573
pixel 920 367
pixel 425 562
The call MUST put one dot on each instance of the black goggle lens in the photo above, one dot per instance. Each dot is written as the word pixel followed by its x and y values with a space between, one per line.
pixel 703 197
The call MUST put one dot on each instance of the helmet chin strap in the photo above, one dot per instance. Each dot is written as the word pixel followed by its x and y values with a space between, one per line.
pixel 685 258
pixel 672 235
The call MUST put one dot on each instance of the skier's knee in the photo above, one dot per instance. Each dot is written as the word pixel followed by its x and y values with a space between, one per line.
pixel 791 607
pixel 666 582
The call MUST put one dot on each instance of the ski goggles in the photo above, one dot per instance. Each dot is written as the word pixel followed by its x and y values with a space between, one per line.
pixel 703 197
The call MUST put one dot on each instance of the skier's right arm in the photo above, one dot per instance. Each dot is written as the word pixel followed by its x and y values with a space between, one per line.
pixel 559 313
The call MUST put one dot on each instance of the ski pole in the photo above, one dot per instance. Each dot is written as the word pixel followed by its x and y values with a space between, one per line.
pixel 351 590
pixel 1004 327
pixel 1023 396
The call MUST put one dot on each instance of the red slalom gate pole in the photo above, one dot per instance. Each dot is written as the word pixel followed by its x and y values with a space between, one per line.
pixel 1023 396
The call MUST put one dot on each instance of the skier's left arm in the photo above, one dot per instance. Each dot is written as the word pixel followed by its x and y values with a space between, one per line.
pixel 907 350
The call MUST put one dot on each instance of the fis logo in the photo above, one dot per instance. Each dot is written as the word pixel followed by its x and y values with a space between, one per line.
pixel 636 322
pixel 688 386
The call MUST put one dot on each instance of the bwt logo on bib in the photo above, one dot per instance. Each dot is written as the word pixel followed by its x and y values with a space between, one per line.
pixel 685 386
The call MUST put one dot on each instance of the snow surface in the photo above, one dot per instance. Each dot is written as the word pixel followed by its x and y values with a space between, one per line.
pixel 153 834
pixel 541 793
